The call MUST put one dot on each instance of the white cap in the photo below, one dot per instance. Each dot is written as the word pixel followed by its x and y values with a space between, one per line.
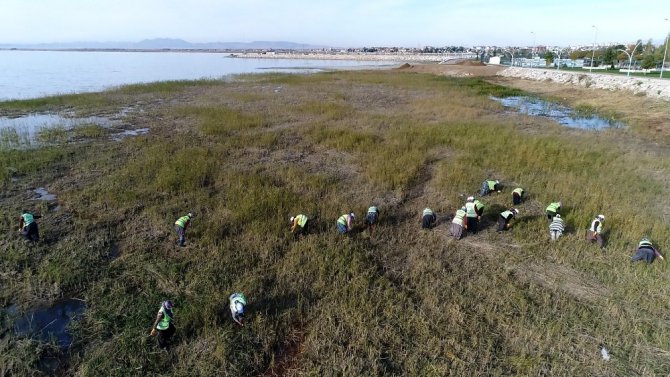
pixel 190 214
pixel 292 218
pixel 352 214
pixel 497 181
pixel 470 198
pixel 601 217
pixel 239 307
pixel 558 215
pixel 516 211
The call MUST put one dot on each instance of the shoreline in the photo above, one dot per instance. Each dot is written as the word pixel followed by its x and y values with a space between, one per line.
pixel 361 56
pixel 420 58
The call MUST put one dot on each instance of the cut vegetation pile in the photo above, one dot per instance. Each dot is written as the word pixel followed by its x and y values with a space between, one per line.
pixel 246 155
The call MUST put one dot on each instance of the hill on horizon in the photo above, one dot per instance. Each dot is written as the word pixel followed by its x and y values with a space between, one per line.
pixel 164 43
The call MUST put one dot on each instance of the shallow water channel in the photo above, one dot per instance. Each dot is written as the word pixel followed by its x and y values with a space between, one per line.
pixel 563 115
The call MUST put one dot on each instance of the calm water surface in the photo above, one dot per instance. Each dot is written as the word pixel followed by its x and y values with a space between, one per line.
pixel 32 74
pixel 562 114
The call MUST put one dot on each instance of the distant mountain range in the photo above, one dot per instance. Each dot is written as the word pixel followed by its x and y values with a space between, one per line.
pixel 165 43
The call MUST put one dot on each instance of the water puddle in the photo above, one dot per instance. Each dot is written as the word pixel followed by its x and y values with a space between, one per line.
pixel 33 129
pixel 50 323
pixel 43 194
pixel 31 124
pixel 136 132
pixel 562 114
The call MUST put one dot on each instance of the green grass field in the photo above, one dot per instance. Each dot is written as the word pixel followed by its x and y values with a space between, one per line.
pixel 246 155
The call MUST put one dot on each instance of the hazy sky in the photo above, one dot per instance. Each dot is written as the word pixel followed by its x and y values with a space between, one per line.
pixel 338 23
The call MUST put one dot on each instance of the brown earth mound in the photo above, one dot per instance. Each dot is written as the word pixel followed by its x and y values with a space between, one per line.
pixel 405 66
pixel 471 63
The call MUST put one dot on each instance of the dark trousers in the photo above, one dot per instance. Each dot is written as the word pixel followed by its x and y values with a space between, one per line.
pixel 516 198
pixel 550 215
pixel 594 237
pixel 31 232
pixel 181 232
pixel 164 336
pixel 502 223
pixel 428 221
pixel 645 254
pixel 472 224
pixel 371 218
pixel 301 230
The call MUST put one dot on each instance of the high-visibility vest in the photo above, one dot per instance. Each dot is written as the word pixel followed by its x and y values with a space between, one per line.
pixel 478 205
pixel 556 224
pixel 644 243
pixel 554 207
pixel 164 323
pixel 372 209
pixel 458 219
pixel 470 209
pixel 182 221
pixel 492 185
pixel 301 220
pixel 506 214
pixel 427 211
pixel 343 220
pixel 596 228
pixel 27 219
pixel 519 191
pixel 238 297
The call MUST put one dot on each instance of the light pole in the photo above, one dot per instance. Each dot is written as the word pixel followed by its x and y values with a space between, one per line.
pixel 594 47
pixel 664 54
pixel 630 57
pixel 511 52
pixel 558 63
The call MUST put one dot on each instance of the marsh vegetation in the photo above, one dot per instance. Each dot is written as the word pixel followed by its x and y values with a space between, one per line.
pixel 246 155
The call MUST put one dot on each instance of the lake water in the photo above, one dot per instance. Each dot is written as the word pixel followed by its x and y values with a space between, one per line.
pixel 32 74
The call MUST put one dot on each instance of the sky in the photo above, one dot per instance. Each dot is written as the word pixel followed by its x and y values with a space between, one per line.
pixel 338 23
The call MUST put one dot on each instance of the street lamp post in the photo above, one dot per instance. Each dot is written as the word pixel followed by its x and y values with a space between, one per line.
pixel 593 55
pixel 664 54
pixel 511 52
pixel 558 63
pixel 630 57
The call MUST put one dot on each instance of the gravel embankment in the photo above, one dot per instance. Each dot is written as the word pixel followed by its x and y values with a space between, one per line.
pixel 652 87
pixel 349 56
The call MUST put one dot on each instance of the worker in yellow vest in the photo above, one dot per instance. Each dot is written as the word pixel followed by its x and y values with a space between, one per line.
pixel 163 324
pixel 428 218
pixel 517 196
pixel 28 226
pixel 553 209
pixel 180 226
pixel 505 218
pixel 299 225
pixel 345 223
pixel 471 215
pixel 458 223
pixel 371 217
pixel 594 234
pixel 237 302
